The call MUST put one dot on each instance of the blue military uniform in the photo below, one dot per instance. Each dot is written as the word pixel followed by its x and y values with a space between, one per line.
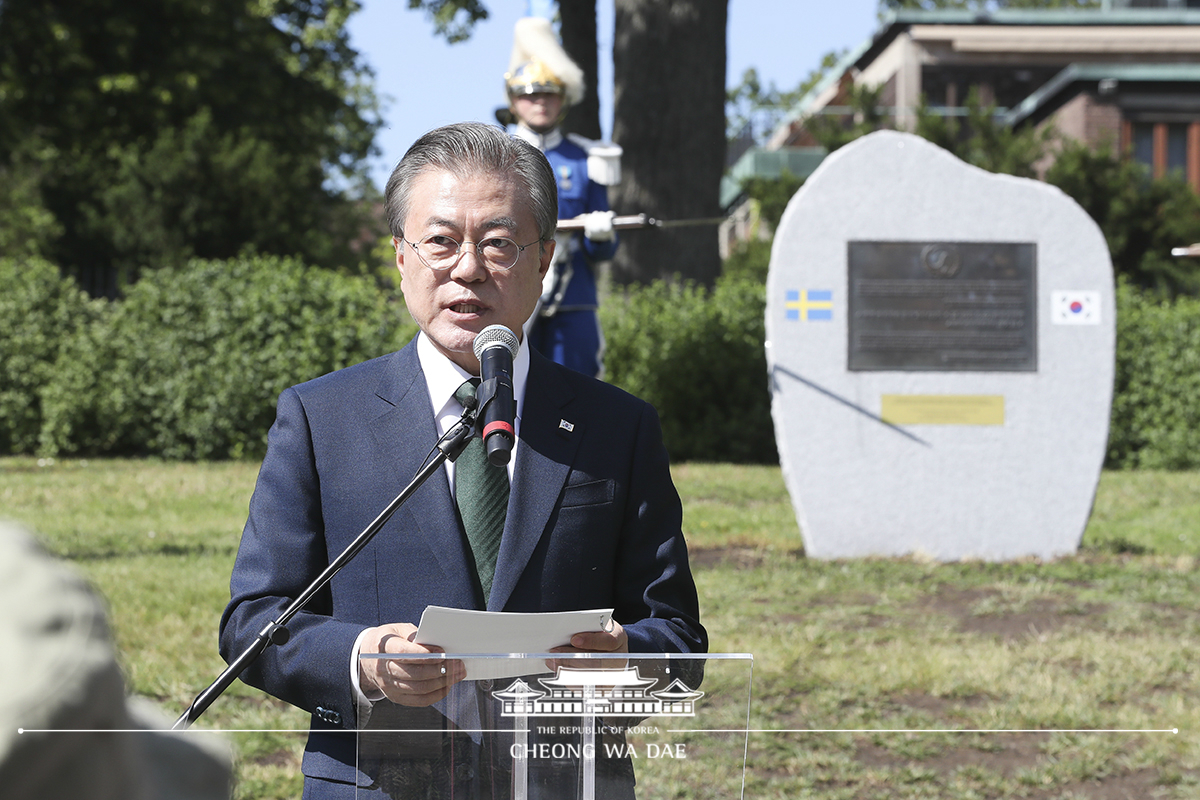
pixel 566 328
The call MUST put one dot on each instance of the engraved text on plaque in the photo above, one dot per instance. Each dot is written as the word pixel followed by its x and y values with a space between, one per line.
pixel 943 306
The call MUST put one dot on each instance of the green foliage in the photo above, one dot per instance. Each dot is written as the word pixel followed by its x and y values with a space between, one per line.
pixel 1156 402
pixel 980 138
pixel 189 364
pixel 772 195
pixel 197 191
pixel 697 356
pixel 191 128
pixel 1142 218
pixel 453 19
pixel 39 311
pixel 749 260
pixel 27 228
pixel 983 140
pixel 864 116
pixel 750 104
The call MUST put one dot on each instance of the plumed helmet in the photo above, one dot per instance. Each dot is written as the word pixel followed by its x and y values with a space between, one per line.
pixel 539 64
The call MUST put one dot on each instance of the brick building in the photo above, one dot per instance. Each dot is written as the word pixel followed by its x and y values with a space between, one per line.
pixel 1126 74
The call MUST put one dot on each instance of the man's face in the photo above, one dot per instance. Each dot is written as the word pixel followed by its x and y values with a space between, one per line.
pixel 453 305
pixel 538 111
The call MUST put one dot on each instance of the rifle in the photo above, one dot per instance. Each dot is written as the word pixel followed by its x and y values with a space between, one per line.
pixel 642 221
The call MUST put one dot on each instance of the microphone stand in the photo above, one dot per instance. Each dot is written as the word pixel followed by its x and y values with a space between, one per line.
pixel 449 447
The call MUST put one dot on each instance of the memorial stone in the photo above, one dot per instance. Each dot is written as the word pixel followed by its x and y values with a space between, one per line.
pixel 940 342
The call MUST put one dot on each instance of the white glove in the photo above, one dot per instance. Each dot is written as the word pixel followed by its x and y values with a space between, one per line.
pixel 598 226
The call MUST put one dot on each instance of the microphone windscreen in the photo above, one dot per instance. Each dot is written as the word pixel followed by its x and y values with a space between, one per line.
pixel 495 336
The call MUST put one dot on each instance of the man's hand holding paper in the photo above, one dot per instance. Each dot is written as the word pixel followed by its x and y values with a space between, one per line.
pixel 416 682
pixel 612 640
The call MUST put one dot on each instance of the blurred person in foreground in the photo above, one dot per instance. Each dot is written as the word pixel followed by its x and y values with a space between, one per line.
pixel 592 519
pixel 67 730
pixel 542 83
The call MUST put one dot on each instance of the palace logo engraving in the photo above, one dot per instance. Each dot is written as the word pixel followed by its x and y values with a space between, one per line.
pixel 575 692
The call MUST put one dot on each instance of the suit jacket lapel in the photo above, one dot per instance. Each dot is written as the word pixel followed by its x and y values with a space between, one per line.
pixel 544 459
pixel 405 431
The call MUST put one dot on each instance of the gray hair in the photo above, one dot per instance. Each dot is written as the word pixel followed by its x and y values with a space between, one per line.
pixel 473 148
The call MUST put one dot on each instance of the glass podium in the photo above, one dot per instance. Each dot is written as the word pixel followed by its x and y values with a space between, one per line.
pixel 645 726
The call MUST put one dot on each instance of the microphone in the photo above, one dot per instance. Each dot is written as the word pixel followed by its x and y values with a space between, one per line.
pixel 495 346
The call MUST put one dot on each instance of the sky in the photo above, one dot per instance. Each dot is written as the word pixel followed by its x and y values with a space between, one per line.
pixel 425 82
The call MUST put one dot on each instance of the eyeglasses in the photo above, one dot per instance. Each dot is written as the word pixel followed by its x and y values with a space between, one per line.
pixel 440 253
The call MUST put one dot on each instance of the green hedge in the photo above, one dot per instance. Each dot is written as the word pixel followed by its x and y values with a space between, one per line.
pixel 189 363
pixel 1156 398
pixel 39 312
pixel 698 357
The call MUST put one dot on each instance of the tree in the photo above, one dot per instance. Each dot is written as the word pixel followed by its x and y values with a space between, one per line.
pixel 1142 218
pixel 981 138
pixel 453 19
pixel 27 228
pixel 578 31
pixel 162 131
pixel 864 116
pixel 669 116
pixel 752 108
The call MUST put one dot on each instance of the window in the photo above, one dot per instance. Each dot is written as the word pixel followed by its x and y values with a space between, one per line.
pixel 1176 146
pixel 1143 143
pixel 1166 147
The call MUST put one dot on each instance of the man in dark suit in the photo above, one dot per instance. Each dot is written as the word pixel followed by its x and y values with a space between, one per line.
pixel 593 519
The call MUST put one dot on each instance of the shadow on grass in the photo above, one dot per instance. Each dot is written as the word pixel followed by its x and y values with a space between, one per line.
pixel 170 550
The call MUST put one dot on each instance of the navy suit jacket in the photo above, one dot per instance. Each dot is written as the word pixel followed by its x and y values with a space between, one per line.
pixel 594 521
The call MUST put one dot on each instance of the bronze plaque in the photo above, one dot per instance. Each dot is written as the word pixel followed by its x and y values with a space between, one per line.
pixel 943 306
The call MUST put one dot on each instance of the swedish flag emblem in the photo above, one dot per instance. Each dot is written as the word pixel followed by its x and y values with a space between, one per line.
pixel 810 305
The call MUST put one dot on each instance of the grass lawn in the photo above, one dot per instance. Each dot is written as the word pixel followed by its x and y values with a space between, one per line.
pixel 1105 641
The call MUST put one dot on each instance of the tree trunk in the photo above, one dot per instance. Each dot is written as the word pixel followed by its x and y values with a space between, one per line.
pixel 578 31
pixel 669 116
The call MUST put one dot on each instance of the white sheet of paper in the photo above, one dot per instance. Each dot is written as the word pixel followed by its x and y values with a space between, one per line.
pixel 458 630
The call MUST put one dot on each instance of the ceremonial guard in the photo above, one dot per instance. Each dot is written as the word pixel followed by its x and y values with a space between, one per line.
pixel 542 83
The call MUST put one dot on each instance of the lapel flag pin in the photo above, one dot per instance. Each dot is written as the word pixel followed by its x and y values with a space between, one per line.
pixel 566 426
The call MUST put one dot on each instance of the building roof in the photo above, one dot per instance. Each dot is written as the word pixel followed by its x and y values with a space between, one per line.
pixel 759 163
pixel 1171 34
pixel 1065 84
pixel 896 22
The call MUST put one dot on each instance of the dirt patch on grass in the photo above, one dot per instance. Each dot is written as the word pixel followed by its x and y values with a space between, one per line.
pixel 1007 756
pixel 945 709
pixel 1018 754
pixel 1141 784
pixel 1034 618
pixel 846 599
pixel 740 557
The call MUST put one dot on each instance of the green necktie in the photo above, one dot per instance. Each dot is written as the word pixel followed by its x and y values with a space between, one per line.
pixel 481 492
